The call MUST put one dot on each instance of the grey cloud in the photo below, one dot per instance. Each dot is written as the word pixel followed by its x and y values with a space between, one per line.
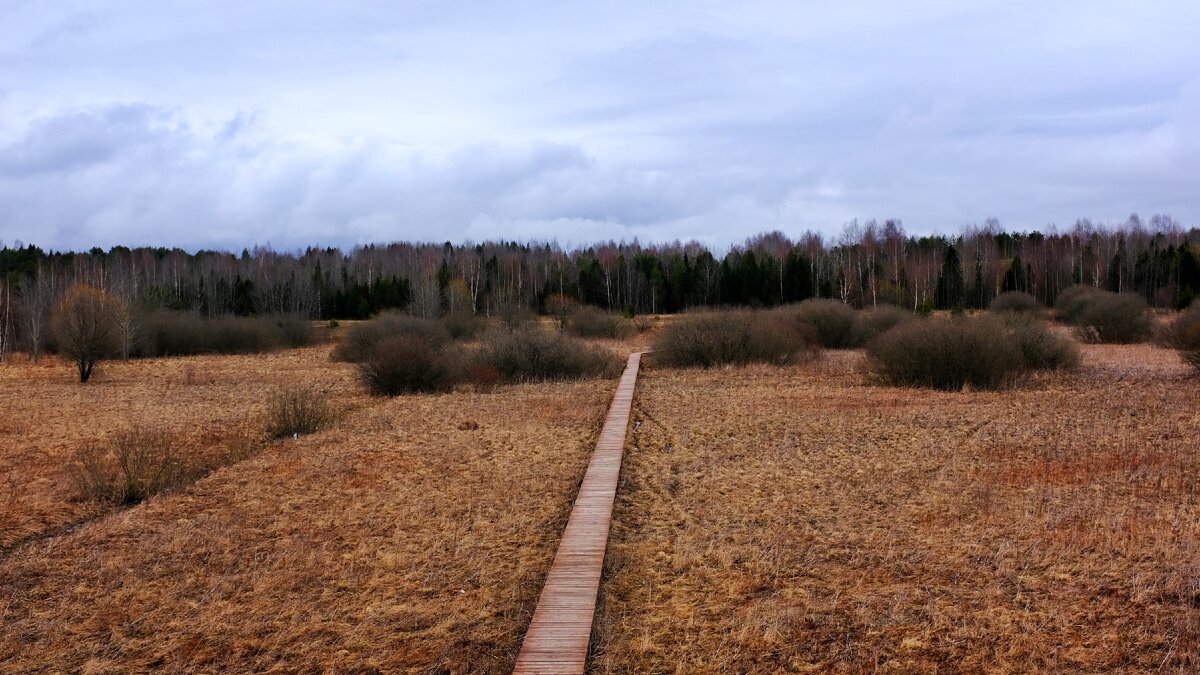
pixel 230 124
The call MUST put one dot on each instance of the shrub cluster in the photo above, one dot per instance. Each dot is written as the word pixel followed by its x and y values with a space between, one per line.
pixel 297 410
pixel 1041 347
pixel 832 320
pixel 167 333
pixel 1015 301
pixel 361 339
pixel 130 467
pixel 953 353
pixel 735 337
pixel 463 325
pixel 1184 334
pixel 1103 316
pixel 418 359
pixel 870 323
pixel 530 353
pixel 592 322
pixel 406 364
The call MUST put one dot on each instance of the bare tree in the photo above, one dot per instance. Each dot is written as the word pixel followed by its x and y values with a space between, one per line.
pixel 5 318
pixel 85 326
pixel 36 297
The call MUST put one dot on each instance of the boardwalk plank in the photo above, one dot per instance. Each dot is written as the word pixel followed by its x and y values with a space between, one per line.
pixel 557 640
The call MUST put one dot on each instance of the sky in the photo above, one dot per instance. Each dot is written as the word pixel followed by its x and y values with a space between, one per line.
pixel 215 124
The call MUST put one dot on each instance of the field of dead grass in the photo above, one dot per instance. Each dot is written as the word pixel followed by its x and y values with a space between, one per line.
pixel 801 519
pixel 204 403
pixel 413 536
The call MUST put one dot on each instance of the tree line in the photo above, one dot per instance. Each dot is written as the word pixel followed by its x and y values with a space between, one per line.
pixel 867 264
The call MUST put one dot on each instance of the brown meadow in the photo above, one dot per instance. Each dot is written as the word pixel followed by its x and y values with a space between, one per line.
pixel 411 536
pixel 802 519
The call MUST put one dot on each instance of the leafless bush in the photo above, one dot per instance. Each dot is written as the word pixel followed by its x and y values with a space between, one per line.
pixel 167 333
pixel 735 337
pixel 871 322
pixel 1113 317
pixel 409 364
pixel 947 354
pixel 131 467
pixel 592 322
pixel 1184 334
pixel 530 353
pixel 361 339
pixel 464 325
pixel 297 410
pixel 1015 301
pixel 832 319
pixel 1041 348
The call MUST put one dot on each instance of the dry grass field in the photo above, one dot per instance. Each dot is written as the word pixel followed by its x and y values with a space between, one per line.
pixel 205 403
pixel 412 536
pixel 801 519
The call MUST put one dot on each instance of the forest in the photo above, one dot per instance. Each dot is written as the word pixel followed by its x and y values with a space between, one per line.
pixel 868 264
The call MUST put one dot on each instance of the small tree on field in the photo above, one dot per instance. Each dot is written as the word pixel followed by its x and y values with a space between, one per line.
pixel 85 326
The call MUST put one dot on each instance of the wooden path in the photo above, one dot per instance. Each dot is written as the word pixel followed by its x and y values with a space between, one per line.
pixel 557 641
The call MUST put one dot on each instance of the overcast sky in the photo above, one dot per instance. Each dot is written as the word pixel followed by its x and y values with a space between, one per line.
pixel 226 124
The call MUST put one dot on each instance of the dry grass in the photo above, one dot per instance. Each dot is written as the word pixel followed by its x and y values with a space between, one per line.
pixel 412 537
pixel 204 403
pixel 797 519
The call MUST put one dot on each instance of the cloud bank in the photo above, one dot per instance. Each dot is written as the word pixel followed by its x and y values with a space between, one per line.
pixel 219 125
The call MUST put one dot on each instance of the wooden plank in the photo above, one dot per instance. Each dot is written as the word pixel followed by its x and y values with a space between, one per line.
pixel 558 635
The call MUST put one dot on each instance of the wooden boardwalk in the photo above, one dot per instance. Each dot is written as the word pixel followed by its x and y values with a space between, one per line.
pixel 558 636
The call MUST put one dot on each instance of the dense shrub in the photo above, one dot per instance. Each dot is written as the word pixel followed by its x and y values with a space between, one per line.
pixel 530 353
pixel 1041 347
pixel 463 325
pixel 513 315
pixel 1015 301
pixel 947 354
pixel 166 333
pixel 592 322
pixel 1184 334
pixel 129 468
pixel 1111 317
pixel 1103 316
pixel 296 411
pixel 833 320
pixel 735 337
pixel 410 363
pixel 872 322
pixel 361 339
pixel 1072 300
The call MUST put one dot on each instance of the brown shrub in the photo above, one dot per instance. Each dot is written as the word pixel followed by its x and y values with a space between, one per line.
pixel 947 354
pixel 592 322
pixel 833 320
pixel 733 337
pixel 1103 316
pixel 1041 348
pixel 297 410
pixel 131 467
pixel 529 353
pixel 361 340
pixel 870 323
pixel 410 364
pixel 1015 301
pixel 464 325
pixel 1184 334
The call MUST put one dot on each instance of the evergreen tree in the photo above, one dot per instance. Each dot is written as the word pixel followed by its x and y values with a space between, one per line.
pixel 1015 278
pixel 950 291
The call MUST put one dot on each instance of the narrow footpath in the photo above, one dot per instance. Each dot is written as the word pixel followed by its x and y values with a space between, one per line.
pixel 558 636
